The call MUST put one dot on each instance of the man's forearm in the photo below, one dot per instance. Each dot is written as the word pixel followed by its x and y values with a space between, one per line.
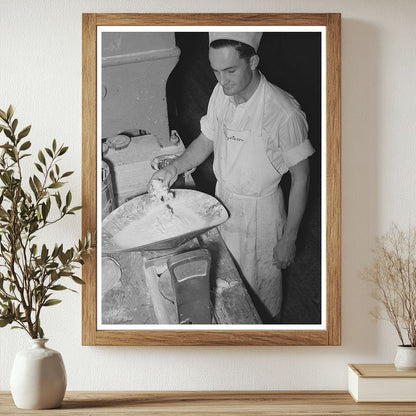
pixel 194 155
pixel 298 197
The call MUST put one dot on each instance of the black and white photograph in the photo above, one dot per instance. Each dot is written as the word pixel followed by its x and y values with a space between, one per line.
pixel 217 155
pixel 211 178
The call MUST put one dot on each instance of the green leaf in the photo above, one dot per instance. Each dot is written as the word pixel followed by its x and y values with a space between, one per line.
pixel 62 257
pixel 56 185
pixel 3 213
pixel 51 302
pixel 39 167
pixel 3 115
pixel 45 210
pixel 34 249
pixel 57 250
pixel 8 133
pixel 5 321
pixel 37 182
pixel 10 112
pixel 24 132
pixel 77 280
pixel 33 187
pixel 58 199
pixel 63 150
pixel 40 332
pixel 44 253
pixel 25 155
pixel 4 298
pixel 14 125
pixel 54 145
pixel 77 208
pixel 54 276
pixel 25 145
pixel 5 178
pixel 59 287
pixel 68 199
pixel 66 274
pixel 41 157
pixel 67 174
pixel 49 152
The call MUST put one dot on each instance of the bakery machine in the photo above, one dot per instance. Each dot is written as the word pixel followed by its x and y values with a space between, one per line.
pixel 134 117
pixel 130 158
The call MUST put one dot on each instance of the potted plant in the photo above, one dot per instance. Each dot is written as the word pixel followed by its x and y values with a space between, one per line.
pixel 393 277
pixel 32 272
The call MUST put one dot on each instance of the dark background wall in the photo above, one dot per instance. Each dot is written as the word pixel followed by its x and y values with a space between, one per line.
pixel 292 61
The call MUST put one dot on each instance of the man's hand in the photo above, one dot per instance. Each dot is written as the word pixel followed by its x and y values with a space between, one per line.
pixel 284 253
pixel 193 156
pixel 167 175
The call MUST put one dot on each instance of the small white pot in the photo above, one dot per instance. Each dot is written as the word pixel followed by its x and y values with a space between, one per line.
pixel 38 377
pixel 405 358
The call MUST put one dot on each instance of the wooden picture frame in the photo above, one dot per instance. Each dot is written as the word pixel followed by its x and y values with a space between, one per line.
pixel 330 334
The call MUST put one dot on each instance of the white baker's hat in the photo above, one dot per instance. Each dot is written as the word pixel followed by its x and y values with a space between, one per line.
pixel 250 38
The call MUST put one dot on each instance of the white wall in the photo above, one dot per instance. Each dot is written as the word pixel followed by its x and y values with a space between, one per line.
pixel 40 73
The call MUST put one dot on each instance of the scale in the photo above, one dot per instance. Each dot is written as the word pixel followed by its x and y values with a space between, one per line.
pixel 179 284
pixel 176 268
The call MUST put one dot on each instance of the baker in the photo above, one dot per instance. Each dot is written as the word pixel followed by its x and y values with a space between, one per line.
pixel 257 132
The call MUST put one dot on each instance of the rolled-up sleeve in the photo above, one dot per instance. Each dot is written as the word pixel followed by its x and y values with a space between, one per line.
pixel 293 139
pixel 296 154
pixel 206 128
pixel 289 144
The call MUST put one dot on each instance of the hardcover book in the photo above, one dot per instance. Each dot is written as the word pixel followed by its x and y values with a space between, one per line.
pixel 381 383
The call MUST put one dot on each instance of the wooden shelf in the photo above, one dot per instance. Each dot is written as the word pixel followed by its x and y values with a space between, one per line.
pixel 212 403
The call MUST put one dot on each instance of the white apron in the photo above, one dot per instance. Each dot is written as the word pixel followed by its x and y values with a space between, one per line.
pixel 248 186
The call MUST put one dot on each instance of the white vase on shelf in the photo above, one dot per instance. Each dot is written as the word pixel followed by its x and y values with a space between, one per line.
pixel 405 358
pixel 38 377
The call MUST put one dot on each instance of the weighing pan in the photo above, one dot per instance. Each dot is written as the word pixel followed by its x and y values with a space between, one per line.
pixel 120 227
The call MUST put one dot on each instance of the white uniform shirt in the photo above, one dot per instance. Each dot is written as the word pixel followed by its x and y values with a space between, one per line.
pixel 284 125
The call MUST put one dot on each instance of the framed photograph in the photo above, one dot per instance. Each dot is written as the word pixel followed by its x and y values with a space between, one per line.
pixel 241 115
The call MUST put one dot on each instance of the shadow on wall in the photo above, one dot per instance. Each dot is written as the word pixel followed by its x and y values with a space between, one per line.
pixel 292 61
pixel 361 112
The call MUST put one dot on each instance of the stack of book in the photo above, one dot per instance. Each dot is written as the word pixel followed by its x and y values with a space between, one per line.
pixel 381 383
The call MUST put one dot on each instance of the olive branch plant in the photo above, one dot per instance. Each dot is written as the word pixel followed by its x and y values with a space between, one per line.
pixel 393 277
pixel 30 274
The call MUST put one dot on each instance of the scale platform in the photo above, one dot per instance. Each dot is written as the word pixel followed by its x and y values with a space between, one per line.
pixel 136 297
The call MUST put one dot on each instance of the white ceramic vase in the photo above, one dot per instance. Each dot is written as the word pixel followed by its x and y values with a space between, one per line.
pixel 38 377
pixel 405 358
